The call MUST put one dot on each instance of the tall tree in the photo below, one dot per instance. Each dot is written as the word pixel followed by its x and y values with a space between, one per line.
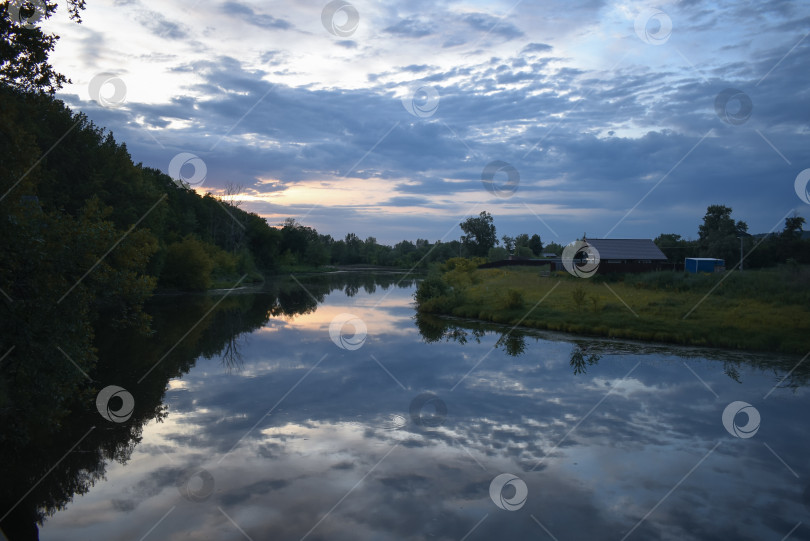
pixel 536 244
pixel 793 227
pixel 24 47
pixel 719 232
pixel 718 222
pixel 508 243
pixel 479 234
pixel 522 240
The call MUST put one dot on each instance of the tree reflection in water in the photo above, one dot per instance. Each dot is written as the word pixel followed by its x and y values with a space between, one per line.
pixel 48 454
pixel 586 353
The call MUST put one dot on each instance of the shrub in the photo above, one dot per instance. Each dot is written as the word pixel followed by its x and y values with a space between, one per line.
pixel 462 264
pixel 430 288
pixel 513 300
pixel 187 266
pixel 578 294
pixel 497 254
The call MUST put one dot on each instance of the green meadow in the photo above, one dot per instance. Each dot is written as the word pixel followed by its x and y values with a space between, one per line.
pixel 766 309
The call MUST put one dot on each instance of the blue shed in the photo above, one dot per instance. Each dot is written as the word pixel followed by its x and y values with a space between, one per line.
pixel 704 264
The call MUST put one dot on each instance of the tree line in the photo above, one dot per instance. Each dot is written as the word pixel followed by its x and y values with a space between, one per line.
pixel 721 236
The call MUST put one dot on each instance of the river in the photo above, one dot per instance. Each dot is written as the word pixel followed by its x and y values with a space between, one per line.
pixel 321 408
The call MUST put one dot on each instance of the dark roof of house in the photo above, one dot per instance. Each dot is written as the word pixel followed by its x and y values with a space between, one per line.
pixel 626 249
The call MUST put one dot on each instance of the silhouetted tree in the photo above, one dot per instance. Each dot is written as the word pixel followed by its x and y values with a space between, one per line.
pixel 479 234
pixel 536 244
pixel 24 48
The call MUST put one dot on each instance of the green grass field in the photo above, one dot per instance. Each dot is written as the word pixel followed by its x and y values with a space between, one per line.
pixel 755 310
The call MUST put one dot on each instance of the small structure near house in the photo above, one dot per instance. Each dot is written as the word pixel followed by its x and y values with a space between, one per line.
pixel 704 264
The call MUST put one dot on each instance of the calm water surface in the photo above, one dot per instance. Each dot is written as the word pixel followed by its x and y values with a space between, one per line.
pixel 269 429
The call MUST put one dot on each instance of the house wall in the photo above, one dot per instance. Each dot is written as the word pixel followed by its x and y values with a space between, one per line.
pixel 606 267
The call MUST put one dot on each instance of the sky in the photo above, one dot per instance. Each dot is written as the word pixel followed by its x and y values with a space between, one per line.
pixel 398 119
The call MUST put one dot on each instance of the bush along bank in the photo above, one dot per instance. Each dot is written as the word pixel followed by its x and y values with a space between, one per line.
pixel 764 310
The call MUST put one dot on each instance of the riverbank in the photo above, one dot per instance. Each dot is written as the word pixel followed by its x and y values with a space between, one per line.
pixel 256 280
pixel 764 310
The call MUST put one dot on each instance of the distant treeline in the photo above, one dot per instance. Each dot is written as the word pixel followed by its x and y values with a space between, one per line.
pixel 71 192
pixel 63 173
pixel 721 237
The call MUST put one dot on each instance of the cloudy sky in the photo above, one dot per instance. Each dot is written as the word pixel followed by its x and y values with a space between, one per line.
pixel 619 119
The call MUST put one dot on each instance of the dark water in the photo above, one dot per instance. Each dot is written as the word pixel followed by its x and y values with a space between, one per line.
pixel 253 423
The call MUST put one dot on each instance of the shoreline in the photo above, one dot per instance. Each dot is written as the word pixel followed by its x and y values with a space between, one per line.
pixel 664 307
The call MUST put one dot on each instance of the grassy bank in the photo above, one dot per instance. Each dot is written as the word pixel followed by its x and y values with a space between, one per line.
pixel 755 310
